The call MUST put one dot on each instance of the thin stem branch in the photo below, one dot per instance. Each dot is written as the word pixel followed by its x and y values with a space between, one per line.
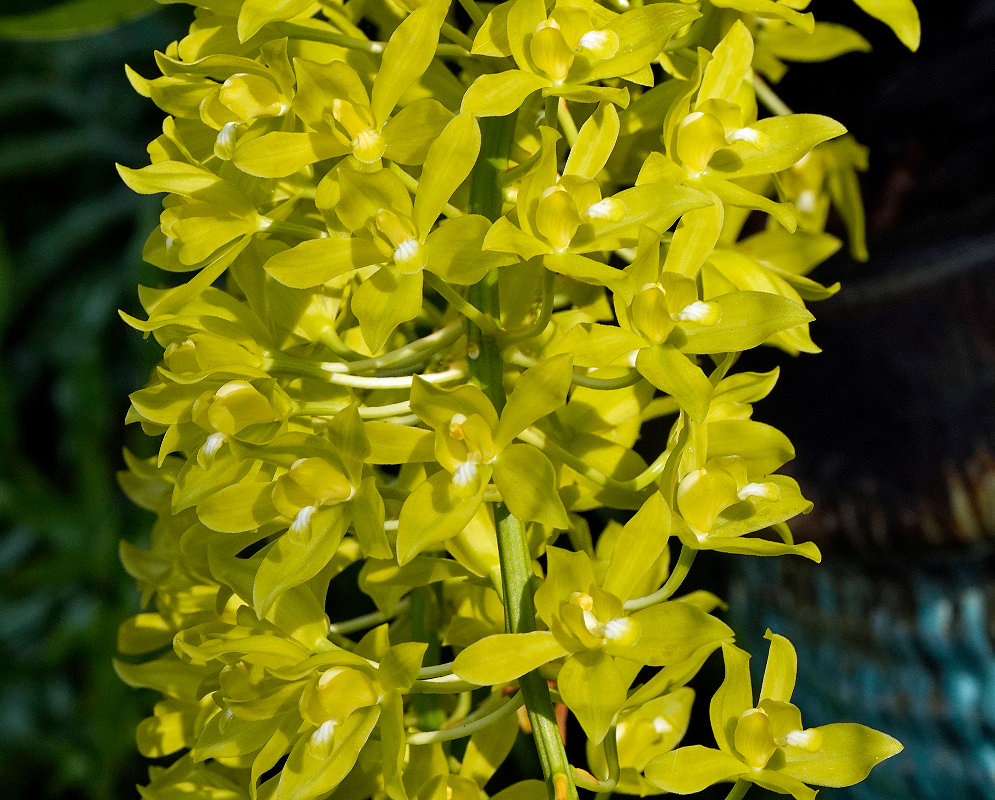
pixel 365 412
pixel 368 620
pixel 630 378
pixel 739 790
pixel 566 120
pixel 677 576
pixel 446 684
pixel 545 313
pixel 457 36
pixel 769 98
pixel 474 11
pixel 585 780
pixel 436 671
pixel 470 724
pixel 294 229
pixel 411 184
pixel 511 175
pixel 610 745
pixel 330 372
pixel 306 33
pixel 479 318
pixel 549 111
pixel 642 481
pixel 407 355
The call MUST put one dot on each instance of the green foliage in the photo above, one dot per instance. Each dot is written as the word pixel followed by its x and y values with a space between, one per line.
pixel 73 19
pixel 70 255
pixel 422 291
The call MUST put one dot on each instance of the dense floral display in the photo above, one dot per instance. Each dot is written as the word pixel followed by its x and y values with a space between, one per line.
pixel 435 265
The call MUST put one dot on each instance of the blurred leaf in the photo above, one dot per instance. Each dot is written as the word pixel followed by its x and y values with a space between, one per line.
pixel 73 19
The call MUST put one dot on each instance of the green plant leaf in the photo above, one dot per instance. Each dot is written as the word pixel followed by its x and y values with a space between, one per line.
pixel 74 19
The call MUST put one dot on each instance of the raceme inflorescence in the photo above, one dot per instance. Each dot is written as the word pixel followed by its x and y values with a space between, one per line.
pixel 434 266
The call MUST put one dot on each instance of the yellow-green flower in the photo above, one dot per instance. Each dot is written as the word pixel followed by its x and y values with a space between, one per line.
pixel 766 743
pixel 473 445
pixel 603 645
pixel 340 117
pixel 565 50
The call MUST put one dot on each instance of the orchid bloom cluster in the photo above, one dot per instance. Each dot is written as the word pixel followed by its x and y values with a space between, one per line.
pixel 433 266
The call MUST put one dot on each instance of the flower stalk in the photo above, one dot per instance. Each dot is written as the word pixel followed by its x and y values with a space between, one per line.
pixel 517 576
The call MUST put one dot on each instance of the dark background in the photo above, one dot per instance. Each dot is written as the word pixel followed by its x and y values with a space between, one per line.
pixel 900 400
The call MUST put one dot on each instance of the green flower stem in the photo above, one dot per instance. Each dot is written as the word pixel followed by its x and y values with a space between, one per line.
pixel 545 313
pixel 447 684
pixel 457 36
pixel 411 184
pixel 284 364
pixel 470 724
pixel 509 176
pixel 631 378
pixel 677 576
pixel 611 759
pixel 419 349
pixel 330 338
pixel 517 574
pixel 293 229
pixel 635 485
pixel 305 33
pixel 585 780
pixel 365 412
pixel 567 124
pixel 769 98
pixel 409 355
pixel 343 21
pixel 368 620
pixel 479 318
pixel 462 710
pixel 739 790
pixel 694 32
pixel 436 670
pixel 474 11
pixel 427 708
pixel 550 107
